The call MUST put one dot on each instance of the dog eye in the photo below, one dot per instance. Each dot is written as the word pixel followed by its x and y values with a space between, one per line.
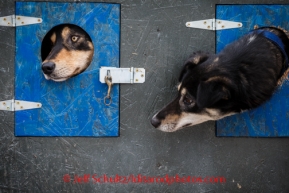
pixel 187 100
pixel 74 38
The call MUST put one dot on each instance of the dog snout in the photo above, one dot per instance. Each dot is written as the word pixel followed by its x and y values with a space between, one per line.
pixel 155 121
pixel 48 67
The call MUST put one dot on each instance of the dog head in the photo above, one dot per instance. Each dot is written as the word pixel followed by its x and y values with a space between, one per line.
pixel 67 51
pixel 200 97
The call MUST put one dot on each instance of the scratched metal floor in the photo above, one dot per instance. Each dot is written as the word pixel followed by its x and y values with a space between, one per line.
pixel 153 36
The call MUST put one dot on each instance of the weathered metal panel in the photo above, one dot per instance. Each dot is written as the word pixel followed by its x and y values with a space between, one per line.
pixel 270 119
pixel 74 107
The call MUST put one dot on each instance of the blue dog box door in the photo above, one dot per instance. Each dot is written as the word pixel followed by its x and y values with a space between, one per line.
pixel 272 118
pixel 74 107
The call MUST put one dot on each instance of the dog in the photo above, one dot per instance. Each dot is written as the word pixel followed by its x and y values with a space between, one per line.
pixel 67 50
pixel 242 76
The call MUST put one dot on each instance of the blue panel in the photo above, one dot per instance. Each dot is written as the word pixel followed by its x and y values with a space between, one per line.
pixel 272 118
pixel 74 107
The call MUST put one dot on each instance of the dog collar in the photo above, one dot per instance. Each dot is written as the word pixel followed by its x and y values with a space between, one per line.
pixel 278 42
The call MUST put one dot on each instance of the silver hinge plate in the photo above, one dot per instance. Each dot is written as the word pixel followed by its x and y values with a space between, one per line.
pixel 18 105
pixel 214 24
pixel 18 20
pixel 123 75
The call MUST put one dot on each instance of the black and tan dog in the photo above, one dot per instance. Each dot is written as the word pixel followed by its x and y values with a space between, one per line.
pixel 67 51
pixel 242 76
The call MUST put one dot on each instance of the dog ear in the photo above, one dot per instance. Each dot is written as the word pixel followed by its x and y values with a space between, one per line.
pixel 210 92
pixel 194 59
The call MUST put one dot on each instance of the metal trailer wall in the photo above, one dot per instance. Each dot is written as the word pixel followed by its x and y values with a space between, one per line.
pixel 153 36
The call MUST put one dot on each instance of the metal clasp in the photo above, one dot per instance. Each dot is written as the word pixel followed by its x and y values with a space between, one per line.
pixel 108 80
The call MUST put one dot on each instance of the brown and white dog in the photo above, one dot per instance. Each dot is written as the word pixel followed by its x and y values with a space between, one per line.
pixel 242 76
pixel 67 50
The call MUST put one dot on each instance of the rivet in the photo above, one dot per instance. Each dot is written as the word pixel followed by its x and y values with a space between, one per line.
pixel 136 80
pixel 38 105
pixel 239 24
pixel 223 26
pixel 4 103
pixel 22 22
pixel 4 18
pixel 209 27
pixel 142 75
pixel 136 70
pixel 17 103
pixel 219 22
pixel 21 107
pixel 205 22
pixel 8 23
pixel 8 108
pixel 188 24
pixel 39 20
pixel 18 18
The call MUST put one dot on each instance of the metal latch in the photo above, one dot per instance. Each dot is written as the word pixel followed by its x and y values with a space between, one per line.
pixel 18 20
pixel 123 75
pixel 18 105
pixel 113 75
pixel 214 24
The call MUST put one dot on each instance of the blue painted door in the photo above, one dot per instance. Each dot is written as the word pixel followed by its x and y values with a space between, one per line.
pixel 74 107
pixel 272 118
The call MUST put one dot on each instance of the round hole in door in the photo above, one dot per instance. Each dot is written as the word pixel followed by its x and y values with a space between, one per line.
pixel 66 51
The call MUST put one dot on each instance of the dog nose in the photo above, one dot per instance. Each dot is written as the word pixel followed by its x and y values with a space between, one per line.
pixel 48 67
pixel 155 122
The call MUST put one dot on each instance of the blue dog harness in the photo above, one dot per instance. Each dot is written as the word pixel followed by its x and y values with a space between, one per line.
pixel 278 42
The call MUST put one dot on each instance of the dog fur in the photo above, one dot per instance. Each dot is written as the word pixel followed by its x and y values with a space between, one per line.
pixel 67 50
pixel 242 76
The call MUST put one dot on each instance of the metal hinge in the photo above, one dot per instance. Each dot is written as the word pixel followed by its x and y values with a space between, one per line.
pixel 122 75
pixel 18 20
pixel 18 105
pixel 214 24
